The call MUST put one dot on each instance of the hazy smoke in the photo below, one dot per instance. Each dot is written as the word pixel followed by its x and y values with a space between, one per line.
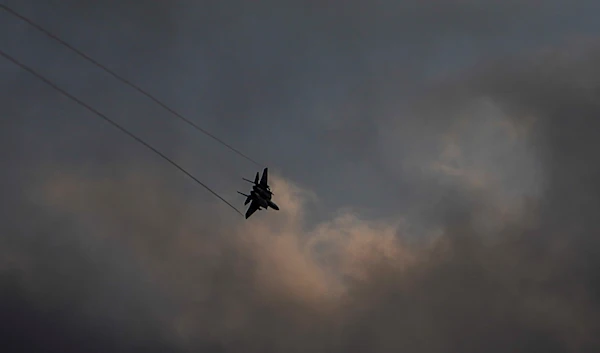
pixel 104 250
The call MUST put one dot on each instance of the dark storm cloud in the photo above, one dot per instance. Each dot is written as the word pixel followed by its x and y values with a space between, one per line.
pixel 258 289
pixel 61 292
pixel 103 251
pixel 64 291
pixel 333 74
pixel 86 26
pixel 555 91
pixel 338 73
pixel 560 89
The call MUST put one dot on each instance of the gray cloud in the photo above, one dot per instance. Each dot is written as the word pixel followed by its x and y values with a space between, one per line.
pixel 104 249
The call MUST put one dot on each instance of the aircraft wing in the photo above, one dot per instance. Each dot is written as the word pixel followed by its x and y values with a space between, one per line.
pixel 264 180
pixel 253 207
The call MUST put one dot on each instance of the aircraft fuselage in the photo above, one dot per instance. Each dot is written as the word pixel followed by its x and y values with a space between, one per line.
pixel 264 202
pixel 265 194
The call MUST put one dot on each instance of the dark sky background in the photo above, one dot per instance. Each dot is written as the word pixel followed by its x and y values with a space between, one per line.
pixel 435 164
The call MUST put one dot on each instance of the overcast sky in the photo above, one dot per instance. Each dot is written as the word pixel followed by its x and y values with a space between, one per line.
pixel 435 163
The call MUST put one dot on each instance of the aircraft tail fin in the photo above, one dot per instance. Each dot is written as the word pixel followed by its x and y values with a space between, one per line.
pixel 256 178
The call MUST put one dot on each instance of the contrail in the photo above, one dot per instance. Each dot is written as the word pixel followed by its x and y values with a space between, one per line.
pixel 125 81
pixel 113 123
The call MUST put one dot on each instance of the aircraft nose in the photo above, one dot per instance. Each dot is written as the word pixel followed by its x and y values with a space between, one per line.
pixel 275 207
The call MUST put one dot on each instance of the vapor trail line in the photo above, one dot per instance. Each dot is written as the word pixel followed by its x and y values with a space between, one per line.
pixel 113 123
pixel 125 81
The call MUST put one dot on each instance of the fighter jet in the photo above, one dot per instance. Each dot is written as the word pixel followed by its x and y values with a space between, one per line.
pixel 260 196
